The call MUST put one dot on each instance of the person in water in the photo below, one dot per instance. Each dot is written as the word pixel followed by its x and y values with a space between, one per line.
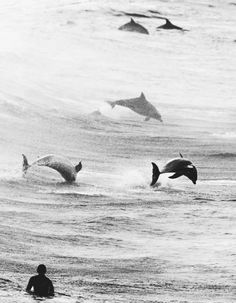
pixel 42 285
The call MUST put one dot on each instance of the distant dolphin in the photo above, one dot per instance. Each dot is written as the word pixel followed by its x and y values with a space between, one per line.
pixel 179 166
pixel 139 105
pixel 96 114
pixel 60 164
pixel 132 26
pixel 169 25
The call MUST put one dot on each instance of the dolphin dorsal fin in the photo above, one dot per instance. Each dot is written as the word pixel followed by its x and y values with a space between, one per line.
pixel 168 22
pixel 142 95
pixel 132 20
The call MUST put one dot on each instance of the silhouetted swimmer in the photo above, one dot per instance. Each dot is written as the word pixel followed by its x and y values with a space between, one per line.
pixel 42 285
pixel 133 26
pixel 169 25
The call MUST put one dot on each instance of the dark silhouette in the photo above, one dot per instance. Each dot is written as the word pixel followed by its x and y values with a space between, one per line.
pixel 132 26
pixel 178 166
pixel 41 284
pixel 169 25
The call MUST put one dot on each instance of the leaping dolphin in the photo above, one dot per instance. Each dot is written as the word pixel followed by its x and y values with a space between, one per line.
pixel 179 166
pixel 132 26
pixel 169 25
pixel 139 105
pixel 67 170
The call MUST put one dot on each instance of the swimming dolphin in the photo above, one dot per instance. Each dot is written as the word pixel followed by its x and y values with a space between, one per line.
pixel 179 166
pixel 132 26
pixel 67 170
pixel 169 25
pixel 139 105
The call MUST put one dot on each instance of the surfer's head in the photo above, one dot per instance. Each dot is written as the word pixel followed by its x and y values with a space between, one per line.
pixel 41 270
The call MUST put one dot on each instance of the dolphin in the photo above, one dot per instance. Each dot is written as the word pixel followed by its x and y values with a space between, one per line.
pixel 169 25
pixel 132 26
pixel 67 170
pixel 179 166
pixel 139 105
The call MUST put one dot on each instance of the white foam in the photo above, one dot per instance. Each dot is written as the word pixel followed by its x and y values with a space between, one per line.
pixel 130 178
pixel 225 135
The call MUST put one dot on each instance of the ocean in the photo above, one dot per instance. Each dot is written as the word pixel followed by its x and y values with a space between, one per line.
pixel 110 237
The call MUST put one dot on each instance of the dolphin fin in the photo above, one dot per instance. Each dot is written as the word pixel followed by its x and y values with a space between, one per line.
pixel 25 165
pixel 147 119
pixel 113 104
pixel 132 21
pixel 78 167
pixel 142 95
pixel 176 175
pixel 155 173
pixel 168 22
pixel 181 156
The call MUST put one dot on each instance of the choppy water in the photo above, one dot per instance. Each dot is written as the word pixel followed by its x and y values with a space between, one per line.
pixel 110 237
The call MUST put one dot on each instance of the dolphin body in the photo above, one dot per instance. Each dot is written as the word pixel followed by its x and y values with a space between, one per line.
pixel 65 168
pixel 140 106
pixel 169 25
pixel 132 26
pixel 179 166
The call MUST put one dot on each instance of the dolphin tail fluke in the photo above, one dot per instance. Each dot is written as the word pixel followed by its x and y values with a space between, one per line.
pixel 155 173
pixel 25 165
pixel 78 167
pixel 113 104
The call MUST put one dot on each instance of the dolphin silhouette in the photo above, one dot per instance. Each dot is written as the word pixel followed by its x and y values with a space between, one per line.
pixel 179 166
pixel 65 168
pixel 169 25
pixel 140 106
pixel 132 26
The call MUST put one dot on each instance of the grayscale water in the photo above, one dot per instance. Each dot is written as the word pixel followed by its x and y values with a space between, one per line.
pixel 110 237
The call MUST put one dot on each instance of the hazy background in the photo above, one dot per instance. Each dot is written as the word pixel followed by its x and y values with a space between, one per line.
pixel 110 237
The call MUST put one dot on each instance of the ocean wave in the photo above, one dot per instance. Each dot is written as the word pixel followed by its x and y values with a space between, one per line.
pixel 225 135
pixel 11 176
pixel 219 181
pixel 13 108
pixel 77 194
pixel 149 14
pixel 202 199
pixel 223 155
